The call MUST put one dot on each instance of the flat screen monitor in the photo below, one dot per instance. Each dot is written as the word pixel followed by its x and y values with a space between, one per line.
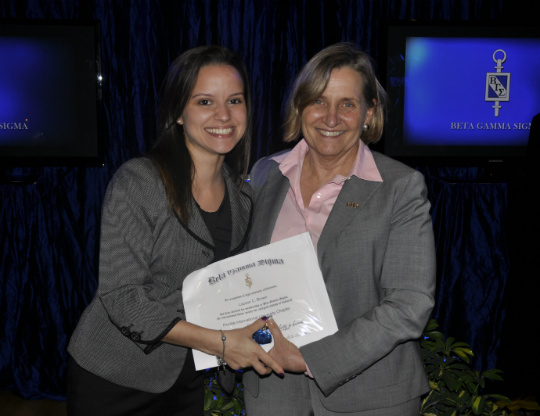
pixel 50 94
pixel 460 95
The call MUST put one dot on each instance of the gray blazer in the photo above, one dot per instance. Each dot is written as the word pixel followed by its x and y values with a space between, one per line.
pixel 377 256
pixel 145 254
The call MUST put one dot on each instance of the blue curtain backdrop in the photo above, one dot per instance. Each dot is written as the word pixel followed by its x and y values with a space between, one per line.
pixel 49 229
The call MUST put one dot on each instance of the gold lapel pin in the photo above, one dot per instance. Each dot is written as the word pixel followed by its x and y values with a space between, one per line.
pixel 352 204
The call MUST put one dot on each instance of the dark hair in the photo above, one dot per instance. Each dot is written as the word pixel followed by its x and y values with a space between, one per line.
pixel 313 79
pixel 170 153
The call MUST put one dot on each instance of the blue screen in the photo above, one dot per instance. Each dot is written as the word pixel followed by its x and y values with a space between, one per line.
pixel 48 92
pixel 452 85
pixel 36 106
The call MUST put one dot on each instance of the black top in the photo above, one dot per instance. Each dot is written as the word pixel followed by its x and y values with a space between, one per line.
pixel 219 225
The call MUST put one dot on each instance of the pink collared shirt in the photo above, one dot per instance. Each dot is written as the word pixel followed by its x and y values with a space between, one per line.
pixel 294 218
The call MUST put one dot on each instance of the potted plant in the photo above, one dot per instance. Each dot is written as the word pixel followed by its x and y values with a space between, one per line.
pixel 456 389
pixel 218 403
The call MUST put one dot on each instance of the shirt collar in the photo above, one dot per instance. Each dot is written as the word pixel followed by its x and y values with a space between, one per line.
pixel 364 166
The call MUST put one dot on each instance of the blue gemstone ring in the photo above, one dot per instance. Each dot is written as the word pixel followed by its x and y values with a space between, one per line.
pixel 263 336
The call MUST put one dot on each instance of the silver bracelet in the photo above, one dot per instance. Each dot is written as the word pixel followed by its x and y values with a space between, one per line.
pixel 221 361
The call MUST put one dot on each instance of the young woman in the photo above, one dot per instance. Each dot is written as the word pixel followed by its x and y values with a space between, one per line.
pixel 165 215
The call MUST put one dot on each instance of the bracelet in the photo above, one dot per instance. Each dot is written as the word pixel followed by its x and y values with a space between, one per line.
pixel 221 361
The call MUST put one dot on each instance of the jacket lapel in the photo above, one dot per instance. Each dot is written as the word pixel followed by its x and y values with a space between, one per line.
pixel 241 216
pixel 268 205
pixel 241 213
pixel 354 195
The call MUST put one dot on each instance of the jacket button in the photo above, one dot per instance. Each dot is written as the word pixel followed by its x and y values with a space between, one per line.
pixel 135 336
pixel 125 331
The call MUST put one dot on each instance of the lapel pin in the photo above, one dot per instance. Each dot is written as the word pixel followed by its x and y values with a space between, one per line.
pixel 352 204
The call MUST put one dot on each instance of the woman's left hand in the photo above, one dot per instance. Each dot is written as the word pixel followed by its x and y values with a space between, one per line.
pixel 285 352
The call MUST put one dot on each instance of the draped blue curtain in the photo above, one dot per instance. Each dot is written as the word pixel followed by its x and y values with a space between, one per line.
pixel 49 228
pixel 470 217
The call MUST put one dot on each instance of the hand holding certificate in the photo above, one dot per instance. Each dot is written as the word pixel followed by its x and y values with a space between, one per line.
pixel 282 280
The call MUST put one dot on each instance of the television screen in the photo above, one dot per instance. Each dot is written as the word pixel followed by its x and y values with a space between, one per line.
pixel 49 94
pixel 460 95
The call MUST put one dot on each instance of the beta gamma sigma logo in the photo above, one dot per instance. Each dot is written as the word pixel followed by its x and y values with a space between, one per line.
pixel 498 83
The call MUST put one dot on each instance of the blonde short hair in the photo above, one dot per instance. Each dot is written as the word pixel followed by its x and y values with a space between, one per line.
pixel 313 79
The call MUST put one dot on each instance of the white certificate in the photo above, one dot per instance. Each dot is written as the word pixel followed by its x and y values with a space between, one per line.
pixel 281 280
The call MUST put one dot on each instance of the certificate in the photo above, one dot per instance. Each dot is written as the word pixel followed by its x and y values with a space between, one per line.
pixel 281 280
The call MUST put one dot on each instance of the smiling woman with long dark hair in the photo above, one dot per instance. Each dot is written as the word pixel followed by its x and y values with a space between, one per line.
pixel 176 210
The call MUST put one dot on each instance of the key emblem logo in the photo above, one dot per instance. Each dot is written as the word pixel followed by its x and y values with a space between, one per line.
pixel 498 83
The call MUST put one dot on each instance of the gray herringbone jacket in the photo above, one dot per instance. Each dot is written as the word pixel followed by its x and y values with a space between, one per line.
pixel 145 254
pixel 377 256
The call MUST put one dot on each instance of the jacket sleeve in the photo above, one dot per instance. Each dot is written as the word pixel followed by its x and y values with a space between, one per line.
pixel 406 283
pixel 138 297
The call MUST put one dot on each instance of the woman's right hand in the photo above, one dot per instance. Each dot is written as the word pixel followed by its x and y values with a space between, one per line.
pixel 241 351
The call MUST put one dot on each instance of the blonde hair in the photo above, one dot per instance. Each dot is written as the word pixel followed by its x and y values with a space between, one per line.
pixel 313 79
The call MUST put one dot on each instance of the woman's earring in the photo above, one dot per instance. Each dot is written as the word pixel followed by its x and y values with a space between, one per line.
pixel 366 127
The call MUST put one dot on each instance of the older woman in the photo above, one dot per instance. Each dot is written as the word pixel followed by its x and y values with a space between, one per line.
pixel 368 217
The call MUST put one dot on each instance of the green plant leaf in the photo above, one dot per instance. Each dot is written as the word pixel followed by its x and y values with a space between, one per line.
pixel 435 335
pixel 208 400
pixel 459 344
pixel 227 406
pixel 220 402
pixel 463 353
pixel 237 407
pixel 461 367
pixel 493 374
pixel 500 398
pixel 448 343
pixel 477 405
pixel 431 325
